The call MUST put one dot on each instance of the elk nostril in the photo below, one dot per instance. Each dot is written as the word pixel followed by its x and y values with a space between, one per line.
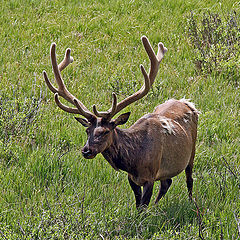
pixel 86 151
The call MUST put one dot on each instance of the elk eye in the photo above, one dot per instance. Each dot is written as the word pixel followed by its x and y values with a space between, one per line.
pixel 106 132
pixel 102 133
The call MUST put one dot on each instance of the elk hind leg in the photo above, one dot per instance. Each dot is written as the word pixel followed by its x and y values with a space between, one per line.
pixel 189 179
pixel 165 184
pixel 188 172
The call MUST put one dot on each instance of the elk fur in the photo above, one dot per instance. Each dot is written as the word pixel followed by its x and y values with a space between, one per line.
pixel 158 146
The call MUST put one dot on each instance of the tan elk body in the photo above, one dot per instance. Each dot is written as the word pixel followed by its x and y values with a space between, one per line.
pixel 158 146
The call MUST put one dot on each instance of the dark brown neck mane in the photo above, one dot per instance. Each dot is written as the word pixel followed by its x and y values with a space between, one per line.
pixel 121 154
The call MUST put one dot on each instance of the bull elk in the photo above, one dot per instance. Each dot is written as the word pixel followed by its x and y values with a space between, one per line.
pixel 158 146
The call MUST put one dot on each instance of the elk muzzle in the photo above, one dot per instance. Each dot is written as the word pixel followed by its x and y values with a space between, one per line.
pixel 88 152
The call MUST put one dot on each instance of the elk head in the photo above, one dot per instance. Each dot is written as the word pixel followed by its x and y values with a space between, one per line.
pixel 100 125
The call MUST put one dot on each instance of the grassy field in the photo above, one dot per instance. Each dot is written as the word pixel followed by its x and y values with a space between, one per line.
pixel 47 189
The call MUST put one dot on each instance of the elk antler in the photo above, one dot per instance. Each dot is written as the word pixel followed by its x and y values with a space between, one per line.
pixel 116 107
pixel 149 80
pixel 62 90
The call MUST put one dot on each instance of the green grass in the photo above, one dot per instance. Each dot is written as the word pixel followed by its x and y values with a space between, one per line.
pixel 47 190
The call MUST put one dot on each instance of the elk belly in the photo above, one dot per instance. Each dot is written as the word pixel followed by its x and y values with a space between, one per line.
pixel 176 154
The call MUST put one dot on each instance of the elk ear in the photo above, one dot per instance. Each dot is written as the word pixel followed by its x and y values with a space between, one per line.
pixel 121 119
pixel 83 121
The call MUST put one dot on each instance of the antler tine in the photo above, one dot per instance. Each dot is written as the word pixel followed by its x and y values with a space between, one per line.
pixel 49 84
pixel 66 61
pixel 64 107
pixel 62 90
pixel 56 71
pixel 154 59
pixel 110 112
pixel 161 51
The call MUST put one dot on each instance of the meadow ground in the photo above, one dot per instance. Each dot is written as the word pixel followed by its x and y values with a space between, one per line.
pixel 47 189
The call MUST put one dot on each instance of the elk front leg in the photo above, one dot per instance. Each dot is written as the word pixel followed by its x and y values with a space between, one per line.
pixel 147 194
pixel 165 184
pixel 137 191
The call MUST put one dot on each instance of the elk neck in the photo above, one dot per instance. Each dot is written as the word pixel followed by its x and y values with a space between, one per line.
pixel 122 152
